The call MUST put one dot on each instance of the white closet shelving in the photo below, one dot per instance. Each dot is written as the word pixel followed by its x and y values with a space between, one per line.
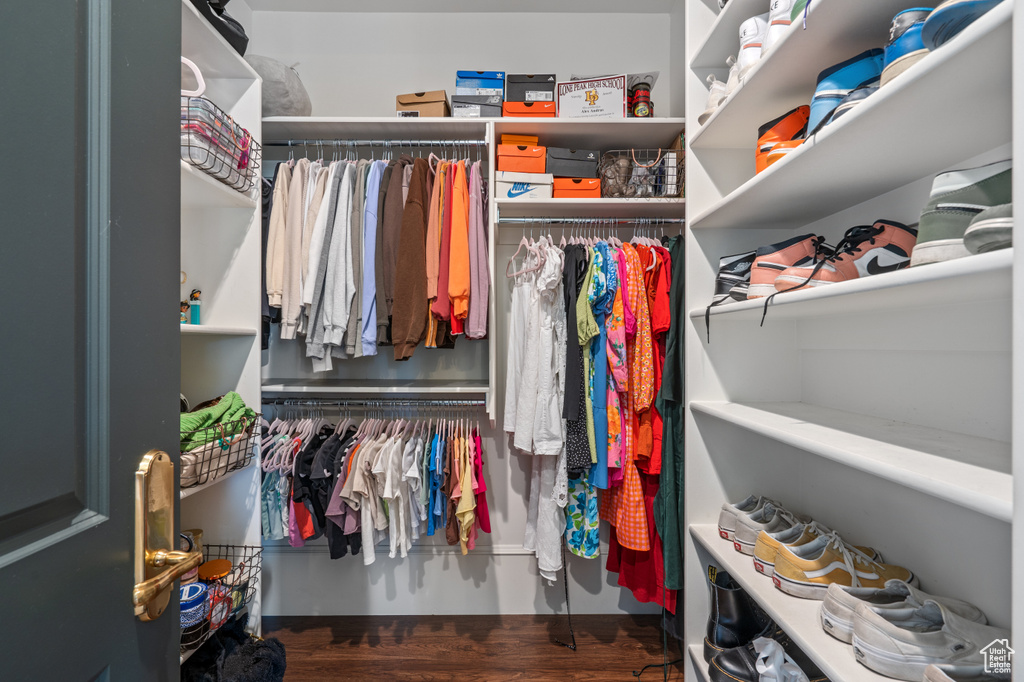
pixel 882 406
pixel 220 255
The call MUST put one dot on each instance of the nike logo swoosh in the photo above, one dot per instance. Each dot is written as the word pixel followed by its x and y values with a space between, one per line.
pixel 513 193
pixel 874 268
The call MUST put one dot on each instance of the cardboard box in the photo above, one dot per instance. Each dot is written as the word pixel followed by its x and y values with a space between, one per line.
pixel 480 83
pixel 522 87
pixel 521 158
pixel 431 103
pixel 593 98
pixel 572 163
pixel 476 106
pixel 528 109
pixel 508 185
pixel 577 188
pixel 531 140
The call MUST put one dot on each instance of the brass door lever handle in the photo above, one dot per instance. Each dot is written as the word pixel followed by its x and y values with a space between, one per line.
pixel 179 562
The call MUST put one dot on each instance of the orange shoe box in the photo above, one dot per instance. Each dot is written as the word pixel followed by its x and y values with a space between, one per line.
pixel 522 158
pixel 531 140
pixel 577 188
pixel 528 109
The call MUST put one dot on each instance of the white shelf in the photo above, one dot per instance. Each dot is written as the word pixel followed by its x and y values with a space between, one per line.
pixel 723 38
pixel 189 492
pixel 898 135
pixel 215 57
pixel 581 208
pixel 601 134
pixel 969 471
pixel 210 330
pixel 532 6
pixel 372 386
pixel 201 190
pixel 696 652
pixel 798 617
pixel 378 127
pixel 983 277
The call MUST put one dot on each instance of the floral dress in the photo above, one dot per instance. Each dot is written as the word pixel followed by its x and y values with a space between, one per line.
pixel 581 520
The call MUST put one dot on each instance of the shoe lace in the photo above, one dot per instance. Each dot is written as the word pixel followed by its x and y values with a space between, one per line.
pixel 807 8
pixel 851 557
pixel 822 254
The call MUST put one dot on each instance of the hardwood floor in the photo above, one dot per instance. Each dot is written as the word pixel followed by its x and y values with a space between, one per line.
pixel 471 648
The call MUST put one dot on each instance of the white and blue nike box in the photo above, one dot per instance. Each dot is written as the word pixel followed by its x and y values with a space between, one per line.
pixel 480 83
pixel 509 185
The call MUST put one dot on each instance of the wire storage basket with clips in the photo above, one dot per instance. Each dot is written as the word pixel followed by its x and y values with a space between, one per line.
pixel 224 585
pixel 213 142
pixel 210 452
pixel 637 173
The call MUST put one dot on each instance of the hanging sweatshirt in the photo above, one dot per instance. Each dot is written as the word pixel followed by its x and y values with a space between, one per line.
pixel 275 240
pixel 458 264
pixel 339 287
pixel 290 294
pixel 394 207
pixel 311 216
pixel 315 337
pixel 316 243
pixel 409 313
pixel 354 329
pixel 381 306
pixel 442 307
pixel 369 289
pixel 479 266
pixel 433 246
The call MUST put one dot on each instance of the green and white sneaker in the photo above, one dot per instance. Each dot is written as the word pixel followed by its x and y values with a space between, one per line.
pixel 957 197
pixel 990 230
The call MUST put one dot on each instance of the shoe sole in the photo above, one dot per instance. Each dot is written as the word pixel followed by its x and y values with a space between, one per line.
pixel 989 235
pixel 837 627
pixel 760 290
pixel 938 251
pixel 900 666
pixel 710 650
pixel 726 534
pixel 743 547
pixel 799 589
pixel 901 65
pixel 791 284
pixel 763 567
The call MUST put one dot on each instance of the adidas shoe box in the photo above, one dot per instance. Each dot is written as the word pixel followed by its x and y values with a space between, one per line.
pixel 522 87
pixel 572 163
pixel 480 83
pixel 509 185
pixel 476 106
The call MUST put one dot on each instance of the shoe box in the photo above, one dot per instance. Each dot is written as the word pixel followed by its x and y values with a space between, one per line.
pixel 421 104
pixel 522 158
pixel 512 185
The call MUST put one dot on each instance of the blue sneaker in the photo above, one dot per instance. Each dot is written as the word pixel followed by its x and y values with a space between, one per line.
pixel 836 82
pixel 950 18
pixel 905 46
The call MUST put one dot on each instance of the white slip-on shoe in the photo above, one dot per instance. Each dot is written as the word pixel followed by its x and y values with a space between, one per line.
pixel 841 602
pixel 730 514
pixel 771 518
pixel 752 34
pixel 902 642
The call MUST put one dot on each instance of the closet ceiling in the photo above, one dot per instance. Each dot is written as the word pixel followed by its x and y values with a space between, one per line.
pixel 591 6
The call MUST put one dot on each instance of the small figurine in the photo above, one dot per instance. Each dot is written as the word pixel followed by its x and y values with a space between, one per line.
pixel 184 312
pixel 195 304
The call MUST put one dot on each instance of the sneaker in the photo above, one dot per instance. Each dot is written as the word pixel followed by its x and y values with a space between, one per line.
pixel 990 230
pixel 716 95
pixel 951 17
pixel 902 642
pixel 779 21
pixel 864 250
pixel 905 47
pixel 963 672
pixel 733 81
pixel 729 517
pixel 837 611
pixel 807 571
pixel 752 33
pixel 790 126
pixel 774 259
pixel 767 547
pixel 956 198
pixel 836 82
pixel 771 518
pixel 848 103
pixel 781 149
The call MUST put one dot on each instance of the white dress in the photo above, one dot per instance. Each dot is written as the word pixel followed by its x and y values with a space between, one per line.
pixel 517 340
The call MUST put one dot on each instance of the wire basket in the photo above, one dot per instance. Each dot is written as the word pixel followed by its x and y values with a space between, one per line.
pixel 634 173
pixel 214 143
pixel 226 597
pixel 210 452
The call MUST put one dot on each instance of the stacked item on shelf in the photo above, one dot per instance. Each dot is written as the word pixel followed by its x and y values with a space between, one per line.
pixel 416 104
pixel 590 324
pixel 213 142
pixel 522 165
pixel 529 95
pixel 895 628
pixel 642 173
pixel 358 483
pixel 358 252
pixel 217 437
pixel 478 94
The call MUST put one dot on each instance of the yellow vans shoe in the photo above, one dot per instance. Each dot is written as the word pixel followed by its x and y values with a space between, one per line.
pixel 767 546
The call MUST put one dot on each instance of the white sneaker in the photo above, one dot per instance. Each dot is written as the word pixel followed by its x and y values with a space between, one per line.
pixel 716 95
pixel 752 34
pixel 778 23
pixel 733 81
pixel 901 642
pixel 837 610
pixel 730 514
pixel 770 519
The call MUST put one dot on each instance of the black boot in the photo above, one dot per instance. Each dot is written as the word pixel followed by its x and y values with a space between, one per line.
pixel 740 664
pixel 735 618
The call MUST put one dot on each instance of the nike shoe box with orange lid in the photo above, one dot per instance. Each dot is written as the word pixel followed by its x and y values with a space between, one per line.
pixel 509 185
pixel 577 188
pixel 528 109
pixel 522 158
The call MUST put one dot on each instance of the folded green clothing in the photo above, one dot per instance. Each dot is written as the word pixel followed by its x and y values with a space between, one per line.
pixel 228 408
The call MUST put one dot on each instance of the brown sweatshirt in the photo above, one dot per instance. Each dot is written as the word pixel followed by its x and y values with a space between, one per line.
pixel 409 311
pixel 393 210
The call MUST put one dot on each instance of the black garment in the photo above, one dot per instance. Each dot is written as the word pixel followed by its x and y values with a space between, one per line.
pixel 355 540
pixel 383 320
pixel 302 488
pixel 577 445
pixel 265 310
pixel 323 479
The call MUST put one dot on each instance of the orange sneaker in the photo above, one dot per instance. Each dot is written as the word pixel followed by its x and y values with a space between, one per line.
pixel 781 149
pixel 864 250
pixel 770 261
pixel 786 128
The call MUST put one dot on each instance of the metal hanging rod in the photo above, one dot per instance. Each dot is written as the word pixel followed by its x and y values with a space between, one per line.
pixel 595 222
pixel 330 402
pixel 327 142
